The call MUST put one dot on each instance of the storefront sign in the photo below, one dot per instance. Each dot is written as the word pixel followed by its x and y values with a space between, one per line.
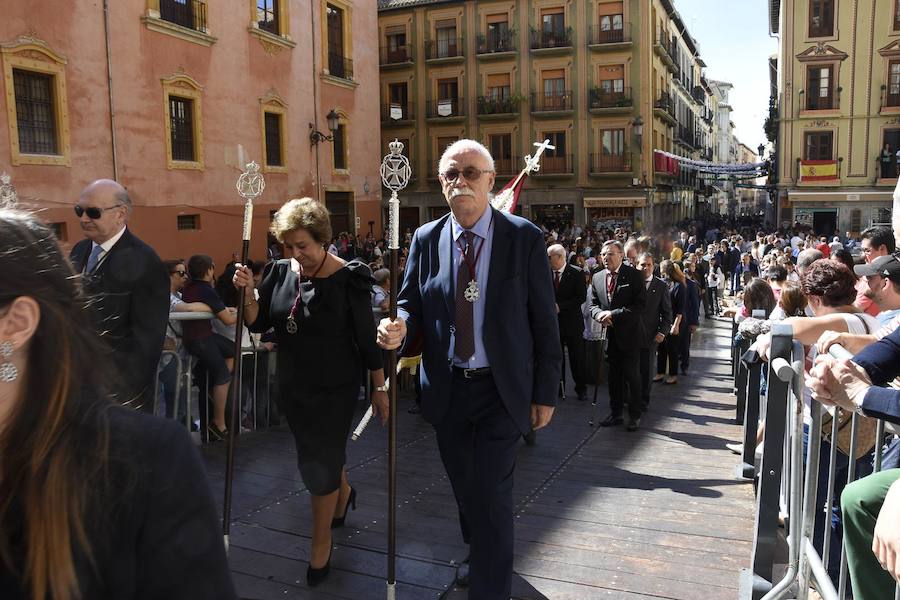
pixel 634 202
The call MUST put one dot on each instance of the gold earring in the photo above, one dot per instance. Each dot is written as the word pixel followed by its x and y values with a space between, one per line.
pixel 8 371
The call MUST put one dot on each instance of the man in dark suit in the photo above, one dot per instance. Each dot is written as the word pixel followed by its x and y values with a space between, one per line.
pixel 568 280
pixel 617 300
pixel 657 320
pixel 477 294
pixel 130 286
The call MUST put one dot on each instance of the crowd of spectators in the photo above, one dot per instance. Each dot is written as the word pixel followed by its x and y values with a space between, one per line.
pixel 846 292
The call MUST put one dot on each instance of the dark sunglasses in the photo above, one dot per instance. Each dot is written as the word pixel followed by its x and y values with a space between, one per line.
pixel 470 173
pixel 93 212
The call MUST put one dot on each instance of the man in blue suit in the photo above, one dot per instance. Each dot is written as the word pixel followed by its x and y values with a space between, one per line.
pixel 478 297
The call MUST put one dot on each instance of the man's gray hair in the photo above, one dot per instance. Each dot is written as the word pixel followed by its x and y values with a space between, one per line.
pixel 381 275
pixel 808 257
pixel 124 199
pixel 645 256
pixel 556 250
pixel 615 243
pixel 466 145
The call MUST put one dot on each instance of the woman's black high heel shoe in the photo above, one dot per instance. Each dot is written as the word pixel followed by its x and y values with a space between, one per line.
pixel 351 503
pixel 316 576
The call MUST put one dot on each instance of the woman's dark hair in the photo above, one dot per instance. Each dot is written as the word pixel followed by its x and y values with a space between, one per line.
pixel 198 265
pixel 776 273
pixel 225 287
pixel 172 264
pixel 843 255
pixel 54 446
pixel 758 295
pixel 830 280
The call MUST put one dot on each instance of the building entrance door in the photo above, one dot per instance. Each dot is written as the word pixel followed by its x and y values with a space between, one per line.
pixel 825 222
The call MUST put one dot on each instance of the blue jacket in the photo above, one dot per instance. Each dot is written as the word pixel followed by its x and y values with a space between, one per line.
pixel 521 329
pixel 881 361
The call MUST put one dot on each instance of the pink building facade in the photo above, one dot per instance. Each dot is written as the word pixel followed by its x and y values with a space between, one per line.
pixel 166 96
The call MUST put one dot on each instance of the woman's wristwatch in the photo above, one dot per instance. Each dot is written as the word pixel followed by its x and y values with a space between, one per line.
pixel 381 388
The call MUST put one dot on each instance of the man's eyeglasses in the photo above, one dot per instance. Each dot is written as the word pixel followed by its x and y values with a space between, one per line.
pixel 470 173
pixel 93 212
pixel 181 273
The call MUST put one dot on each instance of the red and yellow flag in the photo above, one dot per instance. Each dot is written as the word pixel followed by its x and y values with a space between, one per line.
pixel 818 170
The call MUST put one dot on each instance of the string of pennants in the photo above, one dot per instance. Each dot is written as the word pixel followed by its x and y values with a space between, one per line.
pixel 672 163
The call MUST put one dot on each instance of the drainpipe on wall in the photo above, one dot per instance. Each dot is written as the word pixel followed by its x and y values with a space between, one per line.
pixel 109 85
pixel 314 126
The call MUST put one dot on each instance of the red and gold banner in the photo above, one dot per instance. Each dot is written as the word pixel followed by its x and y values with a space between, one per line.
pixel 818 170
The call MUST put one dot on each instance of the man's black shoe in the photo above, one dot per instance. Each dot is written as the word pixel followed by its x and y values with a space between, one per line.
pixel 612 420
pixel 530 437
pixel 462 573
pixel 582 396
pixel 633 424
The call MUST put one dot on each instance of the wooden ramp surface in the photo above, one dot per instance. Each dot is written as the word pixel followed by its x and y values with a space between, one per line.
pixel 600 513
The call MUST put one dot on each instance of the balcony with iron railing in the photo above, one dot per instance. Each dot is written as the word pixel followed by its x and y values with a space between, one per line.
pixel 602 101
pixel 664 108
pixel 188 13
pixel 551 39
pixel 450 108
pixel 497 106
pixel 556 166
pixel 551 102
pixel 507 167
pixel 340 66
pixel 698 94
pixel 400 55
pixel 891 99
pixel 397 113
pixel 603 163
pixel 449 49
pixel 685 136
pixel 604 38
pixel 664 47
pixel 815 101
pixel 496 43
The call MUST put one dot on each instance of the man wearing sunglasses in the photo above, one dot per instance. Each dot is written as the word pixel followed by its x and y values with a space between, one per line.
pixel 478 297
pixel 130 286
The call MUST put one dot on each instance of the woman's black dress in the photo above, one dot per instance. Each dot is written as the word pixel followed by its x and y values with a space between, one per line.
pixel 320 366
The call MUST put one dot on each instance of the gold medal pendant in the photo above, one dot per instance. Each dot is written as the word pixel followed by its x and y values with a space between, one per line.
pixel 472 293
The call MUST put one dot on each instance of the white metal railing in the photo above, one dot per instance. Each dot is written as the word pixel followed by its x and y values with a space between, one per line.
pixel 788 479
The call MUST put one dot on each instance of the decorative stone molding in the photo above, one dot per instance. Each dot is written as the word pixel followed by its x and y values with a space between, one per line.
pixel 29 53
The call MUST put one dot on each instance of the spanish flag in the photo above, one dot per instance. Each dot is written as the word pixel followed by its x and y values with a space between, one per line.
pixel 818 170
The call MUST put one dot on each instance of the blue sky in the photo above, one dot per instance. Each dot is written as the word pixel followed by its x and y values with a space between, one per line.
pixel 734 42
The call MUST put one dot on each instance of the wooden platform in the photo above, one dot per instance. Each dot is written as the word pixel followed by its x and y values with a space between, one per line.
pixel 601 513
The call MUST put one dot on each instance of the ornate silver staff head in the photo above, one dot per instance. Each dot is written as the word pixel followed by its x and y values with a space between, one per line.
pixel 250 186
pixel 395 174
pixel 8 196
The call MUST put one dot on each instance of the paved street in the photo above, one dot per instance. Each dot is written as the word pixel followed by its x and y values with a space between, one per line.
pixel 600 513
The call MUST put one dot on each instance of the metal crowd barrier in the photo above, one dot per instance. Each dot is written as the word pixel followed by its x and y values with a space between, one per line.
pixel 788 480
pixel 185 381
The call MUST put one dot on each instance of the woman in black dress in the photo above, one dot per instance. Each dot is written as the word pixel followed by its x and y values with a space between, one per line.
pixel 668 354
pixel 97 501
pixel 320 308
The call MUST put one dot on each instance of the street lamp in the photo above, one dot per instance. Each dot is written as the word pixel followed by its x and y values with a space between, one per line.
pixel 638 127
pixel 316 136
pixel 762 150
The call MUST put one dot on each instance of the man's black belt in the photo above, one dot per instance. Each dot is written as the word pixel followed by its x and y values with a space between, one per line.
pixel 472 373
